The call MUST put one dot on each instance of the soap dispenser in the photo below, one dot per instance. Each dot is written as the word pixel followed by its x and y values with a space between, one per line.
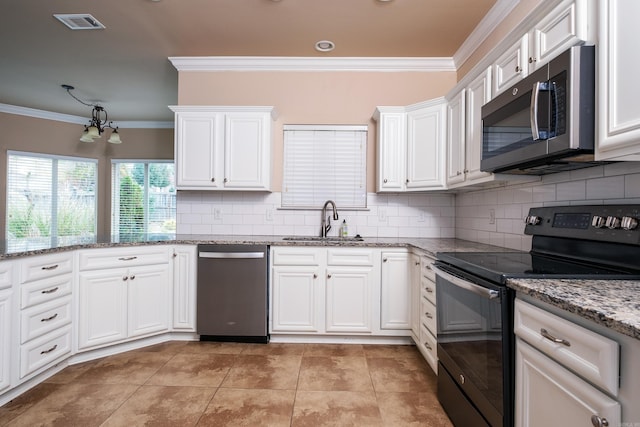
pixel 344 231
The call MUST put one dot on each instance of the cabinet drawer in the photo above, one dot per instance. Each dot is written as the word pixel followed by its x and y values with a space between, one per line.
pixel 425 263
pixel 587 353
pixel 45 290
pixel 428 315
pixel 295 256
pixel 37 321
pixel 428 289
pixel 44 350
pixel 350 257
pixel 42 267
pixel 5 275
pixel 429 346
pixel 95 259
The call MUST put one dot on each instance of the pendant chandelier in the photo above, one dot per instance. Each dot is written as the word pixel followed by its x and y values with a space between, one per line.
pixel 98 123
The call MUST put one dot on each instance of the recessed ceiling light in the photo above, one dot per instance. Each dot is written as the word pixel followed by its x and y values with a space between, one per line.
pixel 325 46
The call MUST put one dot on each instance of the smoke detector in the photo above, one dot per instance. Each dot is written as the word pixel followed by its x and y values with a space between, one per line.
pixel 79 21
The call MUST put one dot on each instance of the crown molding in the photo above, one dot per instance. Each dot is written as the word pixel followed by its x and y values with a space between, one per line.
pixel 280 63
pixel 496 14
pixel 79 120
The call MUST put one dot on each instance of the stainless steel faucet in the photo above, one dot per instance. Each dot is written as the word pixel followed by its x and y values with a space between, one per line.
pixel 325 225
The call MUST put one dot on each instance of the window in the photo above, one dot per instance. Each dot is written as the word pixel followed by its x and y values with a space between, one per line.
pixel 143 199
pixel 325 163
pixel 51 201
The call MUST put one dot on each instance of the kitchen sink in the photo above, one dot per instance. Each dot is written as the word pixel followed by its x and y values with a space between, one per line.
pixel 357 238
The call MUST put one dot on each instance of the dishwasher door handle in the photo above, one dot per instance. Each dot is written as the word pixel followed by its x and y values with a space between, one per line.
pixel 232 255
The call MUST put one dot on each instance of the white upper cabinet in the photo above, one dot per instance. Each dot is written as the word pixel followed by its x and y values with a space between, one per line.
pixel 456 134
pixel 223 148
pixel 478 94
pixel 618 61
pixel 511 66
pixel 569 23
pixel 410 146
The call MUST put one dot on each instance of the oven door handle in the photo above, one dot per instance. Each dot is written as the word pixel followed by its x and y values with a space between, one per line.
pixel 465 284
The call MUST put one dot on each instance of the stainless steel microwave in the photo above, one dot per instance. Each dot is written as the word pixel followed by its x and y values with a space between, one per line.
pixel 544 123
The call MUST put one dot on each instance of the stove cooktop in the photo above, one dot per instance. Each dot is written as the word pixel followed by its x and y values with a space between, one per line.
pixel 499 266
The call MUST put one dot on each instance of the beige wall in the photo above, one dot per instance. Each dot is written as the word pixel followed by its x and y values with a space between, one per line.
pixel 314 98
pixel 30 134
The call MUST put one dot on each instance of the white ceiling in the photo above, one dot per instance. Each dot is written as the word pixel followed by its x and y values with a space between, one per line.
pixel 125 67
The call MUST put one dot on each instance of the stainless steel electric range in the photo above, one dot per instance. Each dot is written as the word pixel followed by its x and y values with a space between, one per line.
pixel 475 307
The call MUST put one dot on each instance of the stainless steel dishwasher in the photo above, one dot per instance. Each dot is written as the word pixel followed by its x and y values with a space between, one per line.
pixel 232 293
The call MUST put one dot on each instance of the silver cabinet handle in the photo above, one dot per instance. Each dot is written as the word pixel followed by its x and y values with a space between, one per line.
pixel 598 421
pixel 50 318
pixel 328 276
pixel 127 258
pixel 226 180
pixel 132 277
pixel 50 291
pixel 315 276
pixel 384 260
pixel 385 180
pixel 125 278
pixel 50 350
pixel 429 315
pixel 550 337
pixel 517 68
pixel 428 346
pixel 213 180
pixel 50 267
pixel 417 262
pixel 461 377
pixel 429 290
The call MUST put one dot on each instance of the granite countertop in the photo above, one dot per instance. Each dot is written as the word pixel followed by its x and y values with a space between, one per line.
pixel 611 303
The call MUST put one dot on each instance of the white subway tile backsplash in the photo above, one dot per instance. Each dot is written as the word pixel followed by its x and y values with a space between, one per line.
pixel 572 190
pixel 606 188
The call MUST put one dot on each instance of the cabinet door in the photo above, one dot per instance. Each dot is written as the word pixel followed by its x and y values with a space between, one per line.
pixel 395 299
pixel 348 299
pixel 102 307
pixel 5 339
pixel 184 288
pixel 425 147
pixel 392 137
pixel 296 299
pixel 543 385
pixel 247 161
pixel 197 150
pixel 416 276
pixel 148 300
pixel 565 26
pixel 511 66
pixel 455 139
pixel 618 60
pixel 478 94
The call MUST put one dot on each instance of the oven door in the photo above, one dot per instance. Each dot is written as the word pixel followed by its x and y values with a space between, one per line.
pixel 475 345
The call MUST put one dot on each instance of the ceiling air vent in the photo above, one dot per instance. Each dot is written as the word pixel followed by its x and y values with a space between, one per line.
pixel 80 21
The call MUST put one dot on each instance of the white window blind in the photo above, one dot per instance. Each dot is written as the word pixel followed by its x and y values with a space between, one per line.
pixel 143 199
pixel 51 201
pixel 325 163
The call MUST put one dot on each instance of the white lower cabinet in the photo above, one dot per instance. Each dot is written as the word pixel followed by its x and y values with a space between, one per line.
pixel 5 339
pixel 424 326
pixel 334 291
pixel 184 287
pixel 566 375
pixel 117 304
pixel 395 299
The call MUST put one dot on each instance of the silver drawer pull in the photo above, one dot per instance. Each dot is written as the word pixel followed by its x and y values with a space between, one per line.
pixel 599 421
pixel 50 291
pixel 132 277
pixel 50 350
pixel 51 267
pixel 429 315
pixel 426 344
pixel 127 258
pixel 429 290
pixel 550 337
pixel 50 318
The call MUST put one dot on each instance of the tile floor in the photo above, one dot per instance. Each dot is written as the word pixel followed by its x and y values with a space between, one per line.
pixel 226 384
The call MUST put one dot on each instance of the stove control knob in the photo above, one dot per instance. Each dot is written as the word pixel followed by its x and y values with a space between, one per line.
pixel 598 221
pixel 629 223
pixel 532 220
pixel 612 222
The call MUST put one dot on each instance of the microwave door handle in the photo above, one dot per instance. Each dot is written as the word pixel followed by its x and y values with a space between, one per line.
pixel 465 284
pixel 533 111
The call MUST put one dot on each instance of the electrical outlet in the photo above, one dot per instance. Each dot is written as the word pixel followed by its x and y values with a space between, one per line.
pixel 269 214
pixel 492 216
pixel 422 217
pixel 382 215
pixel 217 214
